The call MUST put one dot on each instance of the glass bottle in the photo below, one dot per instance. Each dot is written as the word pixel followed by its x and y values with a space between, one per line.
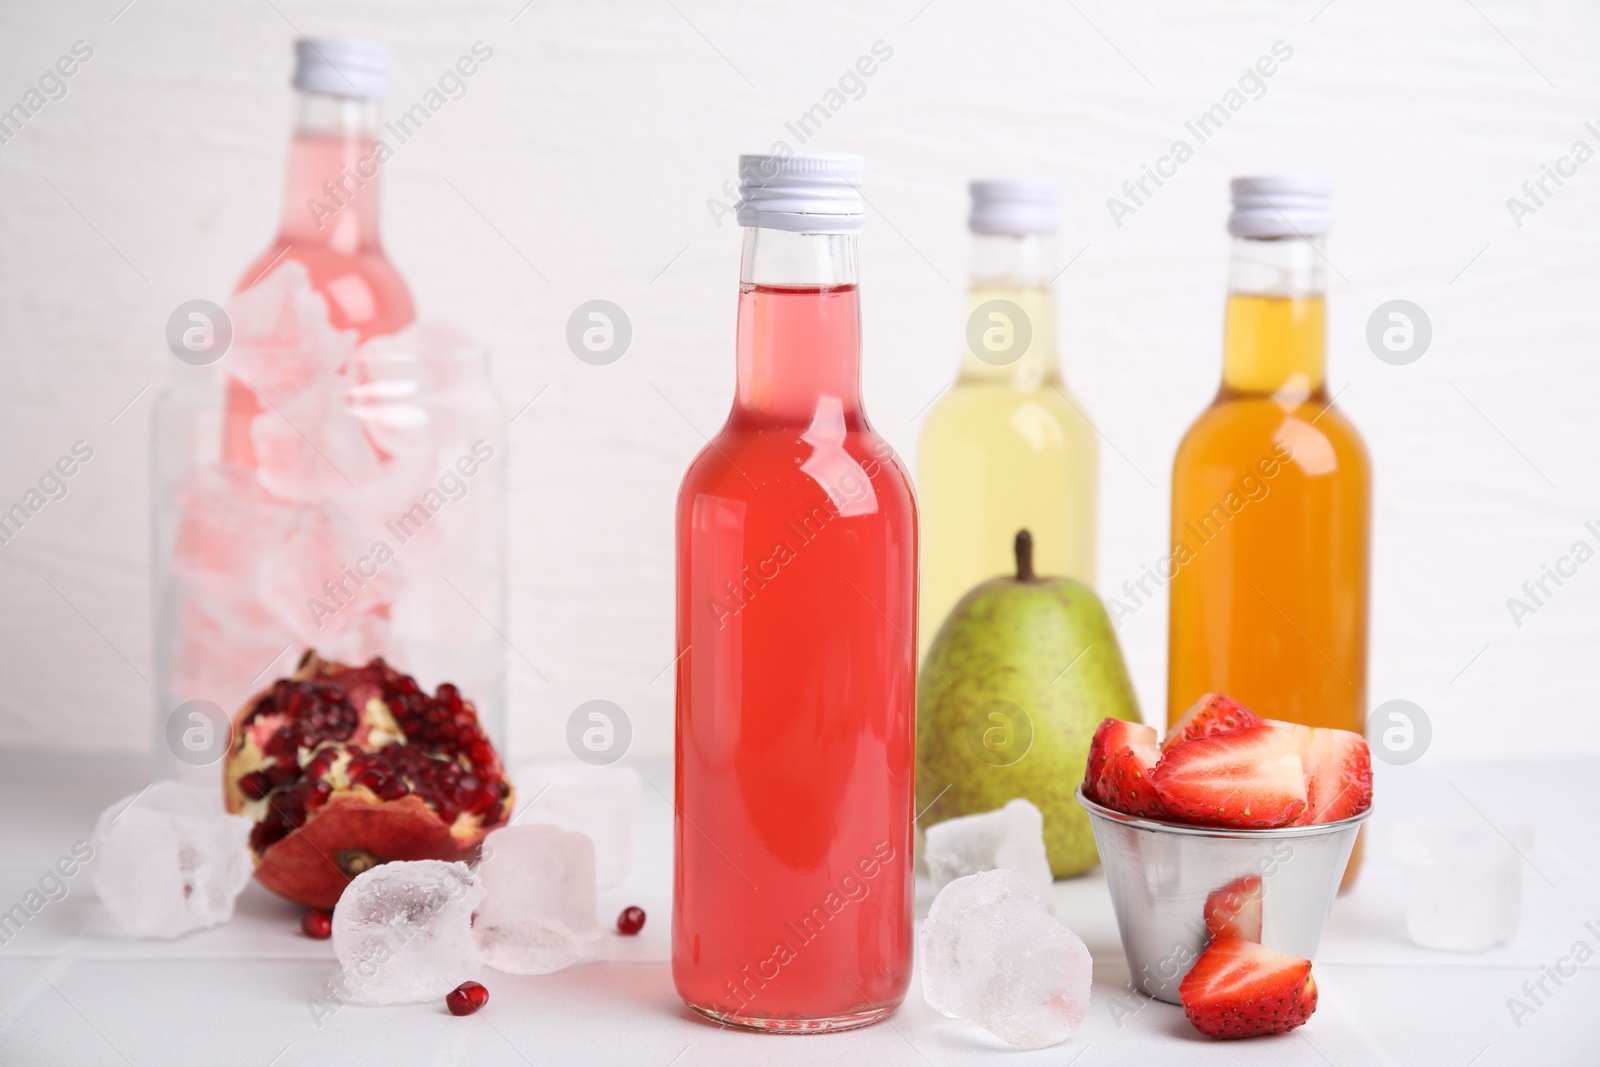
pixel 330 207
pixel 1007 447
pixel 1271 491
pixel 796 632
pixel 327 473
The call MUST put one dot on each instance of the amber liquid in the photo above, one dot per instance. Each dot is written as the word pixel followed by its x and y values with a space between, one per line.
pixel 1271 497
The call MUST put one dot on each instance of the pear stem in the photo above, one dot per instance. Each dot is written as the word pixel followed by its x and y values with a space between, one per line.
pixel 1024 549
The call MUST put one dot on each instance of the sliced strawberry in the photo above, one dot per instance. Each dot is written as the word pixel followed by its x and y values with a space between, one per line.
pixel 1338 769
pixel 1121 757
pixel 1213 713
pixel 1238 988
pixel 1235 909
pixel 1249 777
pixel 1125 783
pixel 1109 736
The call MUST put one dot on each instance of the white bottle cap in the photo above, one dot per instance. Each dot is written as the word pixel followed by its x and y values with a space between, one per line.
pixel 801 194
pixel 1015 205
pixel 342 66
pixel 1281 205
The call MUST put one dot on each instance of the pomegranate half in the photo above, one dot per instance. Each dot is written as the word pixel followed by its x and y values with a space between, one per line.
pixel 342 768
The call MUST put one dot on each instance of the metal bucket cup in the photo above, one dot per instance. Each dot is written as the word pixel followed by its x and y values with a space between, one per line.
pixel 1168 881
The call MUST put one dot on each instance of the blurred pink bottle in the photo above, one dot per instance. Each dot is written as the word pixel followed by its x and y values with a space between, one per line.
pixel 313 452
pixel 330 209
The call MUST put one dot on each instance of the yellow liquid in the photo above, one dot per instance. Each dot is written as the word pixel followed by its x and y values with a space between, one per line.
pixel 1271 498
pixel 1006 448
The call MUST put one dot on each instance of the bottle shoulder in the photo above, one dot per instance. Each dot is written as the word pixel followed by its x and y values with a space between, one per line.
pixel 968 396
pixel 364 290
pixel 1240 431
pixel 776 466
pixel 979 413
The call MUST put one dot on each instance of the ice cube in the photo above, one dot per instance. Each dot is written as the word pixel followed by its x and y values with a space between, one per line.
pixel 316 586
pixel 991 954
pixel 440 355
pixel 596 801
pixel 168 860
pixel 214 661
pixel 539 914
pixel 1463 881
pixel 283 340
pixel 225 520
pixel 1011 837
pixel 299 445
pixel 403 931
pixel 374 430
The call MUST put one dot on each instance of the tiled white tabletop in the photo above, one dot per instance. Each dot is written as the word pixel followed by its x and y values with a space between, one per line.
pixel 75 991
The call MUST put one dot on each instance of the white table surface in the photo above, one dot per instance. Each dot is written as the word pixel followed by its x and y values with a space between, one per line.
pixel 75 991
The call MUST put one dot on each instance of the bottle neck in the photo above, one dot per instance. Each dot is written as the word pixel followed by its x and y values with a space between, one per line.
pixel 1011 311
pixel 1275 331
pixel 331 195
pixel 799 346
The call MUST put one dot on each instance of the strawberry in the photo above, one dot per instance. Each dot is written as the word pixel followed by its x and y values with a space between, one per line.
pixel 1125 783
pixel 1338 770
pixel 1121 757
pixel 1213 713
pixel 1249 777
pixel 1099 749
pixel 1238 988
pixel 1235 909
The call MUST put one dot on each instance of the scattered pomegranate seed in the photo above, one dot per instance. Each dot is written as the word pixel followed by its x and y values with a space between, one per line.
pixel 317 924
pixel 631 921
pixel 466 998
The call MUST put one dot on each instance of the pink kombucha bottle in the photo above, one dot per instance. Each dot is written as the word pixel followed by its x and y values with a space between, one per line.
pixel 796 633
pixel 330 207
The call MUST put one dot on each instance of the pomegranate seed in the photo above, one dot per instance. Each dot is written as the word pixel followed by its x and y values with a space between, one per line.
pixel 466 998
pixel 293 808
pixel 631 921
pixel 317 924
pixel 264 834
pixel 255 785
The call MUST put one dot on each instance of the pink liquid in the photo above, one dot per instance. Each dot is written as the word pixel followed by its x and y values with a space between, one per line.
pixel 797 554
pixel 339 246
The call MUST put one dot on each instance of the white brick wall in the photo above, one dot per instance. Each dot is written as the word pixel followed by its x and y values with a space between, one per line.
pixel 593 141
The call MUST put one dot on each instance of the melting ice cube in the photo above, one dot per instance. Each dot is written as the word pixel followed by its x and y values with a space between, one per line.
pixel 169 860
pixel 539 915
pixel 403 931
pixel 1011 837
pixel 990 953
pixel 596 801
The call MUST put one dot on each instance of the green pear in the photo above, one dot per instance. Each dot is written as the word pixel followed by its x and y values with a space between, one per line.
pixel 1012 689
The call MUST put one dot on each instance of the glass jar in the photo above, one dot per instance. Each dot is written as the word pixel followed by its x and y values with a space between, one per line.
pixel 369 519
